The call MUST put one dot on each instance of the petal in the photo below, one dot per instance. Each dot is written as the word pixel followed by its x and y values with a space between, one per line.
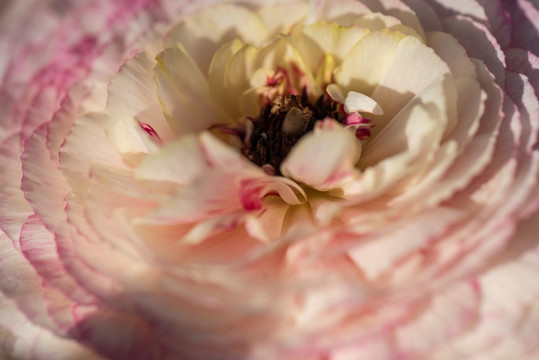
pixel 416 143
pixel 181 161
pixel 130 99
pixel 131 95
pixel 393 139
pixel 450 313
pixel 323 38
pixel 338 11
pixel 225 100
pixel 85 146
pixel 215 26
pixel 21 339
pixel 413 67
pixel 323 159
pixel 183 92
pixel 220 155
pixel 479 43
pixel 357 102
pixel 279 18
pixel 269 223
pixel 449 49
pixel 525 21
pixel 367 62
pixel 215 194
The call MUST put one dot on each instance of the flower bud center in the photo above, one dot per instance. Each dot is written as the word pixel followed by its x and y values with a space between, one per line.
pixel 282 123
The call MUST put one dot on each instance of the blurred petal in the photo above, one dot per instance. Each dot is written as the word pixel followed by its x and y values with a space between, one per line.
pixel 323 159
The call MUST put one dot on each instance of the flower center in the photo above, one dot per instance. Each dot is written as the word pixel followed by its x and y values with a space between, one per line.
pixel 281 124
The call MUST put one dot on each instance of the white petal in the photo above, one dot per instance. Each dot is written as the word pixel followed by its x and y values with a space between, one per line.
pixel 357 102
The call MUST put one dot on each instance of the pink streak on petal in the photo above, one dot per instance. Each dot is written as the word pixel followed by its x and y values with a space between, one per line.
pixel 149 130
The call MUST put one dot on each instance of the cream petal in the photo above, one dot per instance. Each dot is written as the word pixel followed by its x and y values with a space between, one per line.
pixel 413 67
pixel 340 11
pixel 237 67
pixel 519 88
pixel 425 13
pixel 404 13
pixel 183 92
pixel 470 108
pixel 219 155
pixel 284 53
pixel 42 184
pixel 509 310
pixel 239 71
pixel 400 239
pixel 129 138
pixel 214 195
pixel 251 99
pixel 86 145
pixel 23 286
pixel 479 43
pixel 393 139
pixel 367 62
pixel 523 62
pixel 324 75
pixel 357 102
pixel 269 223
pixel 180 161
pixel 335 93
pixel 13 205
pixel 202 35
pixel 450 313
pixel 39 247
pixel 288 190
pixel 377 21
pixel 206 228
pixel 323 159
pixel 216 79
pixel 279 18
pixel 451 51
pixel 463 7
pixel 112 192
pixel 449 172
pixel 524 15
pixel 22 339
pixel 322 38
pixel 131 95
pixel 375 348
pixel 386 169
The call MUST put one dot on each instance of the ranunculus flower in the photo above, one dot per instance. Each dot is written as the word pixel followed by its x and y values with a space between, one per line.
pixel 331 179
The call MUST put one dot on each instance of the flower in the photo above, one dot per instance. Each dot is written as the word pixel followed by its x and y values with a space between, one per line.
pixel 265 180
